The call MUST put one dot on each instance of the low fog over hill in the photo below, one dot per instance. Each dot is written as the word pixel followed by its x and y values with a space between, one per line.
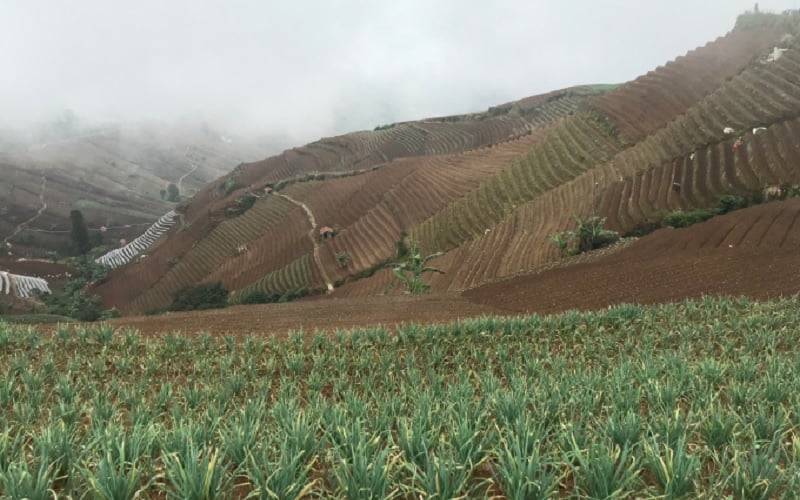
pixel 306 69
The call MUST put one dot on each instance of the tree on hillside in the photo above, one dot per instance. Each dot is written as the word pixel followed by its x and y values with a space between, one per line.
pixel 589 235
pixel 173 194
pixel 79 234
pixel 415 265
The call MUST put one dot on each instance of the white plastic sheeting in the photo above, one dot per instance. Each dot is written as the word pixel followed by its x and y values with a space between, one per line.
pixel 26 285
pixel 121 256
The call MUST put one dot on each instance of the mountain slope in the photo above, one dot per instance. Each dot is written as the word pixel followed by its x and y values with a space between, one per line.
pixel 492 208
pixel 117 177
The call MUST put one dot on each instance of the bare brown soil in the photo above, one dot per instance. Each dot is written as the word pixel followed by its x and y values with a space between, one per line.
pixel 38 268
pixel 752 252
pixel 327 314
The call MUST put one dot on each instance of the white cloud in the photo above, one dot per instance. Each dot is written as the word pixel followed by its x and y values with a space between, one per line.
pixel 310 68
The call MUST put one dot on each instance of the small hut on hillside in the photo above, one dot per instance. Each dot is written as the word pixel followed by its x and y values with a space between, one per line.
pixel 326 232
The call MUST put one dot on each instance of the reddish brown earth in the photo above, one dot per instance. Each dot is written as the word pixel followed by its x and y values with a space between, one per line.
pixel 40 268
pixel 753 252
pixel 315 314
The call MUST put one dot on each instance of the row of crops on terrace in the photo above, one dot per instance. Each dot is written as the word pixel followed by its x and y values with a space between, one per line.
pixel 646 104
pixel 696 399
pixel 760 95
pixel 580 142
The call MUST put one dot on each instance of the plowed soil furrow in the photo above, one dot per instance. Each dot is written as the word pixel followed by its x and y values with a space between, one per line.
pixel 645 203
pixel 634 210
pixel 744 226
pixel 641 275
pixel 788 147
pixel 719 175
pixel 791 237
pixel 760 228
pixel 734 172
pixel 761 161
pixel 664 185
pixel 609 207
pixel 624 219
pixel 714 238
pixel 777 232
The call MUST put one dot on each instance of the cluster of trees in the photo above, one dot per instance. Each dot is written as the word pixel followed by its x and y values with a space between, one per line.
pixel 72 300
pixel 171 194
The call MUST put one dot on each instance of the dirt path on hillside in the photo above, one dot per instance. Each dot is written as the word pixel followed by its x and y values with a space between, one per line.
pixel 22 225
pixel 313 237
pixel 190 172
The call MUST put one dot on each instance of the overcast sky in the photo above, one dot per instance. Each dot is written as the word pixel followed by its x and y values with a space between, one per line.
pixel 309 68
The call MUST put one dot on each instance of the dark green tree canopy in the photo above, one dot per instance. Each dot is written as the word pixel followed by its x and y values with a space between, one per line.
pixel 79 234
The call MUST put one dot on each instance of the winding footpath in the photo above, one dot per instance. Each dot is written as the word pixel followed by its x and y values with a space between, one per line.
pixel 190 172
pixel 22 225
pixel 312 237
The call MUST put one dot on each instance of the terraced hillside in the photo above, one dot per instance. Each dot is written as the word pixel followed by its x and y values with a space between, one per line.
pixel 752 252
pixel 488 189
pixel 373 192
pixel 502 228
pixel 117 177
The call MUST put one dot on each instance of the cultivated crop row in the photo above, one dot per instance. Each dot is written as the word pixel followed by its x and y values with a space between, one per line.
pixel 224 241
pixel 648 103
pixel 766 158
pixel 691 400
pixel 692 161
pixel 577 144
pixel 762 94
pixel 297 275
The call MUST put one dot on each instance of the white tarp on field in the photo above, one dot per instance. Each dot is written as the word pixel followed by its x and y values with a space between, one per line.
pixel 121 256
pixel 5 283
pixel 24 285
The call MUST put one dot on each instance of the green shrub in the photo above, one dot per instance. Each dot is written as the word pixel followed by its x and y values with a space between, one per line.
pixel 241 205
pixel 259 297
pixel 199 297
pixel 590 235
pixel 173 194
pixel 729 203
pixel 689 217
pixel 230 183
pixel 644 228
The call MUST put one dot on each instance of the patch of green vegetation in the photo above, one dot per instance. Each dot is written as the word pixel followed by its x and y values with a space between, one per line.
pixel 789 20
pixel 725 204
pixel 230 182
pixel 173 194
pixel 200 297
pixel 34 318
pixel 241 205
pixel 343 259
pixel 73 300
pixel 410 270
pixel 589 235
pixel 602 88
pixel 260 297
